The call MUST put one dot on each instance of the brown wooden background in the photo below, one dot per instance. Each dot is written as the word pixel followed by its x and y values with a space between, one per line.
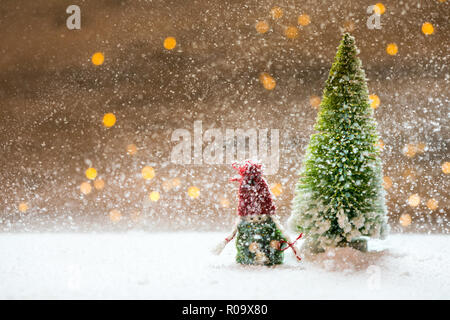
pixel 52 100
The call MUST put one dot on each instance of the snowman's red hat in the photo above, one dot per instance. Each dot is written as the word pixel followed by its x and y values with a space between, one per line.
pixel 254 194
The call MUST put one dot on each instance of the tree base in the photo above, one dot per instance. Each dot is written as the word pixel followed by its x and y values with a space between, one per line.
pixel 358 244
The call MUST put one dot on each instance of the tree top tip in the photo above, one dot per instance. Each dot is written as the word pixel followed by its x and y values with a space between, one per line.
pixel 348 36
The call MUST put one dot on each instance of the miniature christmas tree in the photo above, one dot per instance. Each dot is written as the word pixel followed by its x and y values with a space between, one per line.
pixel 260 237
pixel 339 196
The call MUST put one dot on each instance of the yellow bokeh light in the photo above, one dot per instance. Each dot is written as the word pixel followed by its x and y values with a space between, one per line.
pixel 380 144
pixel 374 101
pixel 387 182
pixel 109 119
pixel 446 167
pixel 148 173
pixel 193 192
pixel 267 81
pixel 414 200
pixel 392 49
pixel 432 204
pixel 262 27
pixel 291 32
pixel 276 189
pixel 99 184
pixel 427 28
pixel 170 43
pixel 276 12
pixel 91 173
pixel 225 202
pixel 131 149
pixel 23 207
pixel 304 20
pixel 98 58
pixel 85 188
pixel 314 101
pixel 379 8
pixel 115 215
pixel 405 220
pixel 410 150
pixel 154 196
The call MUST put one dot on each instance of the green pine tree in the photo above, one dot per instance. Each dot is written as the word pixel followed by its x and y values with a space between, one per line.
pixel 339 196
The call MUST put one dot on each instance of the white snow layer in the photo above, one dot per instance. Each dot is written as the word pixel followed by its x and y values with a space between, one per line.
pixel 181 266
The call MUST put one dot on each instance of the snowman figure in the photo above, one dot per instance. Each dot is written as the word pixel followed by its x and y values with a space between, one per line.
pixel 260 238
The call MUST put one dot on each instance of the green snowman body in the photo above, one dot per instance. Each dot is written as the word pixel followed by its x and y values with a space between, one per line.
pixel 259 241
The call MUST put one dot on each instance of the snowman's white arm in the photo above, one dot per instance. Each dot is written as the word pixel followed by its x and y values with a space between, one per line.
pixel 232 234
pixel 220 246
pixel 284 234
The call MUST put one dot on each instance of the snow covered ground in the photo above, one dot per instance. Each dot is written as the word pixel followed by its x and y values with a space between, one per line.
pixel 181 266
